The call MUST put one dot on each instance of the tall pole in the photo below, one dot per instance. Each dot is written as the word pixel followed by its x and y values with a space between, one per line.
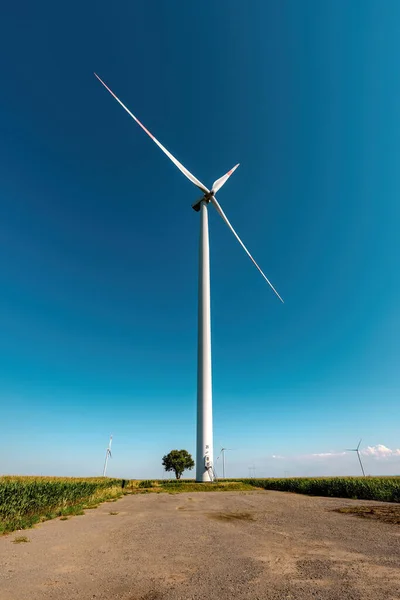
pixel 204 458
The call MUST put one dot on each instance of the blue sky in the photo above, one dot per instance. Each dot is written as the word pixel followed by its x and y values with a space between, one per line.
pixel 98 241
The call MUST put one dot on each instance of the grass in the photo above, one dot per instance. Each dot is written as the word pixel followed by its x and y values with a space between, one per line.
pixel 231 486
pixel 113 513
pixel 21 539
pixel 184 486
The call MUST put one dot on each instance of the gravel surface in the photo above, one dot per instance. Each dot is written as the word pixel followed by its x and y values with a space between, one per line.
pixel 217 545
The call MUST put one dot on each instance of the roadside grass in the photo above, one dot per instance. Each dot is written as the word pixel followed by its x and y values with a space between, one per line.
pixel 21 539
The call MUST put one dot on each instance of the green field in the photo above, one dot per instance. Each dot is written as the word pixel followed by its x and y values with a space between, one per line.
pixel 386 489
pixel 25 501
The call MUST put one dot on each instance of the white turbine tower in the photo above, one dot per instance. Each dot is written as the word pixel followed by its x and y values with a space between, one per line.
pixel 108 455
pixel 204 458
pixel 358 454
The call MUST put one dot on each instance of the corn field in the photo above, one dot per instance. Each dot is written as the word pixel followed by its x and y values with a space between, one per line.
pixel 26 500
pixel 386 489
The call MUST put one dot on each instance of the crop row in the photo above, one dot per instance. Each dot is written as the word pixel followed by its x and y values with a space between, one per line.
pixel 24 500
pixel 386 489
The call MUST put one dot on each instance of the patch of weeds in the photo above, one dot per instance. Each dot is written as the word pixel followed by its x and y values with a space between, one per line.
pixel 21 539
pixel 64 518
pixel 381 512
pixel 146 483
pixel 233 516
pixel 152 595
pixel 112 512
pixel 71 511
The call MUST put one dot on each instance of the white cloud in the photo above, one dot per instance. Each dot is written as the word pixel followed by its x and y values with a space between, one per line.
pixel 327 454
pixel 310 456
pixel 374 452
pixel 379 451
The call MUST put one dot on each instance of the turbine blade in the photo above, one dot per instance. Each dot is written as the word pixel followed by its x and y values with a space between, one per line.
pixel 176 162
pixel 225 218
pixel 359 444
pixel 217 185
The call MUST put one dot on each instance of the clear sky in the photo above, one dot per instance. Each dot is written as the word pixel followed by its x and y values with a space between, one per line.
pixel 98 241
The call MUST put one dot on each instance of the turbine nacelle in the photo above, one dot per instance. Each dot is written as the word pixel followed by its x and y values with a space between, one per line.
pixel 206 198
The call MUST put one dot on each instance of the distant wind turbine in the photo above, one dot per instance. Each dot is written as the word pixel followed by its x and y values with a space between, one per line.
pixel 358 454
pixel 204 458
pixel 222 453
pixel 108 455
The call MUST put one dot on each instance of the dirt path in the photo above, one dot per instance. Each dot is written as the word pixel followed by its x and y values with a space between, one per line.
pixel 219 545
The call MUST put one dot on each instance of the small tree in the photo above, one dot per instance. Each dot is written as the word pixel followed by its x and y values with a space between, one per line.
pixel 178 461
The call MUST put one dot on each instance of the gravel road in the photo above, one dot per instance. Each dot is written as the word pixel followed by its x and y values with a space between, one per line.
pixel 217 545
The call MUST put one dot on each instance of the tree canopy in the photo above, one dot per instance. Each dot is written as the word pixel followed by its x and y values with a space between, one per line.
pixel 178 461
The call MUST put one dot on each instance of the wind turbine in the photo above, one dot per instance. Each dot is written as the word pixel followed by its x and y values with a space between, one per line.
pixel 204 455
pixel 222 453
pixel 108 455
pixel 358 454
